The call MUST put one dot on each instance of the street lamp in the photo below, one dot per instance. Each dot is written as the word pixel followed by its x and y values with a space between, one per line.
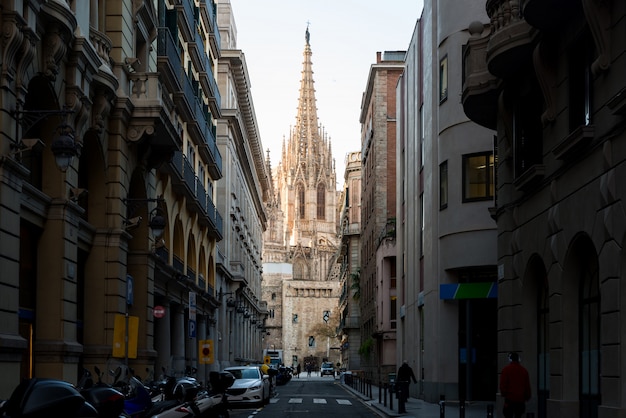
pixel 63 146
pixel 157 221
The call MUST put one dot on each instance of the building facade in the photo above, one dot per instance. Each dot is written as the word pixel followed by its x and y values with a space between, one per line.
pixel 446 238
pixel 548 77
pixel 108 168
pixel 350 259
pixel 301 273
pixel 378 291
pixel 240 194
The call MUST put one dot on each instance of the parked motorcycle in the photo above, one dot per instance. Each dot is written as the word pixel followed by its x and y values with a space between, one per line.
pixel 108 401
pixel 43 398
pixel 186 398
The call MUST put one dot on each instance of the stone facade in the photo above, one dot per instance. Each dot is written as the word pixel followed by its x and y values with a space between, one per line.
pixel 300 250
pixel 549 79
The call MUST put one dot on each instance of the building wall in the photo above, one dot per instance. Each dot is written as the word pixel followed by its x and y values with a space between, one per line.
pixel 241 193
pixel 378 208
pixel 83 234
pixel 442 244
pixel 558 212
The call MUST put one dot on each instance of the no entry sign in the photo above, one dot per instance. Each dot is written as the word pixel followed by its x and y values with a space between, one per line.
pixel 158 311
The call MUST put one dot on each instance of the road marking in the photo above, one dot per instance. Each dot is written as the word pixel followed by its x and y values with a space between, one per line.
pixel 316 400
pixel 295 400
pixel 344 402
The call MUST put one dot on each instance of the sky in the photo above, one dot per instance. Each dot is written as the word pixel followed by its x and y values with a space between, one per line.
pixel 345 36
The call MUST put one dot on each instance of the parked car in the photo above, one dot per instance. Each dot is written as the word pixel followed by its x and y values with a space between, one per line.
pixel 251 386
pixel 327 368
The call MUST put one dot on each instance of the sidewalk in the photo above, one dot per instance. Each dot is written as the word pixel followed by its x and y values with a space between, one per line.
pixel 419 408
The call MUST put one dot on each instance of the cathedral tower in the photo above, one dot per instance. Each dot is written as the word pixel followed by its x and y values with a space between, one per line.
pixel 300 270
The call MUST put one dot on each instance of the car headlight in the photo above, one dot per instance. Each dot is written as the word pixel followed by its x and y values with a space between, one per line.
pixel 255 387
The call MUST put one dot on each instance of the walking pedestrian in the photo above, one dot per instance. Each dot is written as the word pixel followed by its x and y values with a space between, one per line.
pixel 404 376
pixel 298 371
pixel 514 387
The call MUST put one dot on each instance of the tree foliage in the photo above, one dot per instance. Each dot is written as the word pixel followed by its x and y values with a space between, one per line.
pixel 356 284
pixel 326 329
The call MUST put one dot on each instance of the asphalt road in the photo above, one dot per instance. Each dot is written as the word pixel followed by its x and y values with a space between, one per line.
pixel 321 397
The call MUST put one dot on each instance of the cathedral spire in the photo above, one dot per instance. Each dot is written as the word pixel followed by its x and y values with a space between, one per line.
pixel 308 143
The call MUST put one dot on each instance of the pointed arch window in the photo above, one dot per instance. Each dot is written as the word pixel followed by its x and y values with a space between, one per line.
pixel 321 201
pixel 301 201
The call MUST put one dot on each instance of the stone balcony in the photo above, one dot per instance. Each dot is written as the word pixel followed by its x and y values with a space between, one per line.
pixel 480 87
pixel 511 41
pixel 548 15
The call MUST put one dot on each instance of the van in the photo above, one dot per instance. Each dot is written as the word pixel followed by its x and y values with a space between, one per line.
pixel 327 368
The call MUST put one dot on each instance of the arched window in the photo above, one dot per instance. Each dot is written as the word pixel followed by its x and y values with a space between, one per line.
pixel 301 201
pixel 321 201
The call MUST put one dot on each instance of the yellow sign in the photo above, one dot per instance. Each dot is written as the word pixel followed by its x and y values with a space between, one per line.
pixel 119 336
pixel 205 351
pixel 267 359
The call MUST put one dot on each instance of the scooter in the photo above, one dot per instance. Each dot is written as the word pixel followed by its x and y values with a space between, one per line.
pixel 108 401
pixel 208 404
pixel 42 398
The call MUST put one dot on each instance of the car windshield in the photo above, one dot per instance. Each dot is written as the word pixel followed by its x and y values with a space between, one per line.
pixel 245 373
pixel 327 365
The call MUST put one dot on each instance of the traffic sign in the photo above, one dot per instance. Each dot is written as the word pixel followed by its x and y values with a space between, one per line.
pixel 158 311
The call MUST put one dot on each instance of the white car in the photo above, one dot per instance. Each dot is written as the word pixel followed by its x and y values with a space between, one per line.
pixel 251 386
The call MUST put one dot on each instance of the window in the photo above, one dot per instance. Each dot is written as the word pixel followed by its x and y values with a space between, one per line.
pixel 443 79
pixel 392 312
pixel 422 138
pixel 321 202
pixel 443 185
pixel 294 319
pixel 301 201
pixel 273 296
pixel 478 177
pixel 422 225
pixel 311 341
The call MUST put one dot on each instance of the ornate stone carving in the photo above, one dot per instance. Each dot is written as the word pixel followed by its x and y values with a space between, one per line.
pixel 54 50
pixel 599 19
pixel 12 39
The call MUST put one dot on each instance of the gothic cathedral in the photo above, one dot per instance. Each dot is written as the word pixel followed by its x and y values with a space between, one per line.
pixel 300 246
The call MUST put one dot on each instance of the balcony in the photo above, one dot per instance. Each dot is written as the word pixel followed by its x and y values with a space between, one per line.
pixel 186 183
pixel 208 14
pixel 186 19
pixel 151 123
pixel 351 229
pixel 511 42
pixel 168 60
pixel 209 85
pixel 197 52
pixel 548 15
pixel 185 99
pixel 480 87
pixel 210 153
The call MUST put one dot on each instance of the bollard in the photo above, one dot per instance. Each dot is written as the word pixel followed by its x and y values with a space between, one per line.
pixel 391 390
pixel 442 406
pixel 462 408
pixel 385 390
pixel 490 411
pixel 380 393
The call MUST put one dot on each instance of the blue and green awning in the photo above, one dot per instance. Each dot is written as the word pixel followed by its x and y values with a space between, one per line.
pixel 483 290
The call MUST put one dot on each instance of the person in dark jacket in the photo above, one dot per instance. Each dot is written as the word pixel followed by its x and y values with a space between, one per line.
pixel 404 376
pixel 514 387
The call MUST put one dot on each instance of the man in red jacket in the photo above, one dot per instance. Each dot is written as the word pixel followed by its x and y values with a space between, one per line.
pixel 514 387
